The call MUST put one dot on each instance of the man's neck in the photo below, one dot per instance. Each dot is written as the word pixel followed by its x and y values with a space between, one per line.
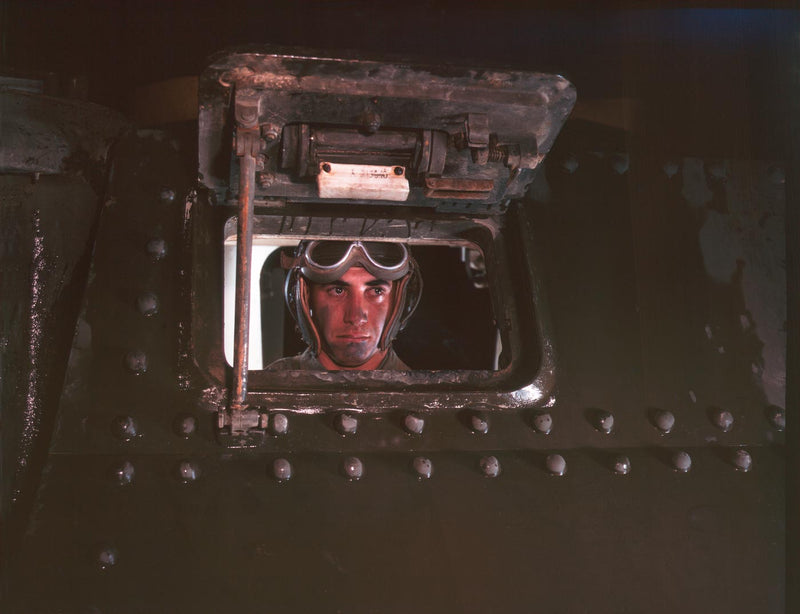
pixel 373 363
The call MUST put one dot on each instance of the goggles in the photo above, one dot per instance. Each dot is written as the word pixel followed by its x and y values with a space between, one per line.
pixel 326 261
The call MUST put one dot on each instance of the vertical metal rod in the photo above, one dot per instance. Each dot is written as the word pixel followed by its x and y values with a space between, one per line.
pixel 244 249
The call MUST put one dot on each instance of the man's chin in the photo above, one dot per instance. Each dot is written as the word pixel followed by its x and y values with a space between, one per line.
pixel 351 356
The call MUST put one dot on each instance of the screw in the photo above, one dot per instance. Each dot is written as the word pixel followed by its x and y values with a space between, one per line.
pixel 124 428
pixel 136 361
pixel 622 465
pixel 490 466
pixel 372 122
pixel 353 468
pixel 265 179
pixel 742 460
pixel 124 473
pixel 147 304
pixel 188 471
pixel 185 425
pixel 423 467
pixel 398 170
pixel 664 421
pixel 279 425
pixel 282 469
pixel 326 167
pixel 414 424
pixel 681 461
pixel 346 424
pixel 556 464
pixel 270 132
pixel 157 248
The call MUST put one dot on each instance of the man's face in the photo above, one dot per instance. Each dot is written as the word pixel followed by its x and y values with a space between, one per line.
pixel 350 314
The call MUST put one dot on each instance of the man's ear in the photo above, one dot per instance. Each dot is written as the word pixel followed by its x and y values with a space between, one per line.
pixel 305 304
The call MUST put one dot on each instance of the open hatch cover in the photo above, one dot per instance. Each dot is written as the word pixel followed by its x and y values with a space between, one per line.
pixel 323 129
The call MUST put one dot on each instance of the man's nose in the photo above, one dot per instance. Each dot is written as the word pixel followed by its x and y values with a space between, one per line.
pixel 355 312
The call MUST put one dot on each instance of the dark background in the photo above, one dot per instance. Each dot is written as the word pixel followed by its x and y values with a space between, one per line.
pixel 713 81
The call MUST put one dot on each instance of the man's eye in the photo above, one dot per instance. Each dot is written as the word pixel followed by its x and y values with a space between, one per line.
pixel 378 291
pixel 336 290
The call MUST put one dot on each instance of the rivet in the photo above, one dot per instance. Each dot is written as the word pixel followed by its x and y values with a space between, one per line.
pixel 414 424
pixel 742 460
pixel 570 163
pixel 188 471
pixel 136 362
pixel 124 427
pixel 184 425
pixel 777 417
pixel 490 466
pixel 620 163
pixel 543 423
pixel 166 195
pixel 717 169
pixel 270 132
pixel 279 424
pixel 670 168
pixel 556 464
pixel 777 175
pixel 147 304
pixel 372 122
pixel 722 419
pixel 107 557
pixel 326 167
pixel 157 248
pixel 622 465
pixel 681 461
pixel 282 469
pixel 124 473
pixel 479 423
pixel 423 466
pixel 664 420
pixel 604 421
pixel 346 424
pixel 353 468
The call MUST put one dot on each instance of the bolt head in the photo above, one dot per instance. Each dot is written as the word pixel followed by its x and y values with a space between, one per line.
pixel 414 424
pixel 664 421
pixel 742 460
pixel 346 424
pixel 282 469
pixel 147 304
pixel 620 163
pixel 671 168
pixel 124 473
pixel 136 362
pixel 490 466
pixel 543 423
pixel 622 465
pixel 279 424
pixel 681 461
pixel 353 468
pixel 185 425
pixel 570 164
pixel 188 471
pixel 423 467
pixel 270 132
pixel 124 428
pixel 556 464
pixel 479 423
pixel 157 249
pixel 722 419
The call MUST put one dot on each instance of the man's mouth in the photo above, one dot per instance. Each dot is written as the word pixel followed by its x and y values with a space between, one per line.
pixel 354 337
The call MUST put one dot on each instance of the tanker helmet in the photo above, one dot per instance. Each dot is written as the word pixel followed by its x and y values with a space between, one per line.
pixel 324 262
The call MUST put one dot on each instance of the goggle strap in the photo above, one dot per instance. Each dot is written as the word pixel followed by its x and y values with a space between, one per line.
pixel 303 299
